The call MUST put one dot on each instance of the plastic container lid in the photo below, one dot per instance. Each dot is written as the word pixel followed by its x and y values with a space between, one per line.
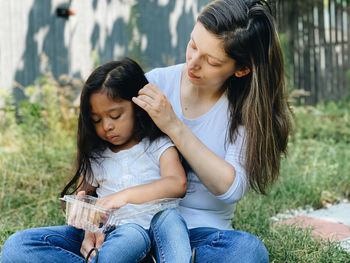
pixel 81 212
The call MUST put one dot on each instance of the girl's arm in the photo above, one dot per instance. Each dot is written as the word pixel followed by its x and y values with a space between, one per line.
pixel 171 185
pixel 214 172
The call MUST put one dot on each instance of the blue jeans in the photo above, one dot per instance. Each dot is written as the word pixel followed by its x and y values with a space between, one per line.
pixel 127 243
pixel 211 244
pixel 214 245
pixel 170 239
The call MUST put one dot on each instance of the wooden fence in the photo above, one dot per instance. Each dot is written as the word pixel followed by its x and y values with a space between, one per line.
pixel 33 38
pixel 316 36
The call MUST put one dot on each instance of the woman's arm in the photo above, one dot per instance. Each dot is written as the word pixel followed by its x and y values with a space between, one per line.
pixel 214 172
pixel 171 185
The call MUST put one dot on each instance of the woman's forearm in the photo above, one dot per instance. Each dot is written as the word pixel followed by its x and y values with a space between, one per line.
pixel 214 172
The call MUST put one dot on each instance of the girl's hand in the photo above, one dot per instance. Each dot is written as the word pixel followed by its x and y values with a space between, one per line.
pixel 75 213
pixel 90 241
pixel 112 201
pixel 81 193
pixel 154 102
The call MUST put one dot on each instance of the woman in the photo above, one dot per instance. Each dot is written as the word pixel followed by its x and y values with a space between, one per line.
pixel 226 111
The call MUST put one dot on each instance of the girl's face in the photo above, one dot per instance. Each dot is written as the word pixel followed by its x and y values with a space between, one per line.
pixel 207 62
pixel 113 121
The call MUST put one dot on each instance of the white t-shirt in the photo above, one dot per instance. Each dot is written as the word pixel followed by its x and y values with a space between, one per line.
pixel 200 208
pixel 134 166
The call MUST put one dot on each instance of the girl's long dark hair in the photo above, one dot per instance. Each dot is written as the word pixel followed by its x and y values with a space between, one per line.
pixel 258 100
pixel 118 80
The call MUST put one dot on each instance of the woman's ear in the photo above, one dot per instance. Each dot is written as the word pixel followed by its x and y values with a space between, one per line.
pixel 242 72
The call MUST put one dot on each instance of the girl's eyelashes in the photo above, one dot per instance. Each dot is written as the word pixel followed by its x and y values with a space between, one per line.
pixel 115 117
pixel 96 121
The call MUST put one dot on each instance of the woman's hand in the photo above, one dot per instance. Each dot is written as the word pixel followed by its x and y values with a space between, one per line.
pixel 154 102
pixel 90 241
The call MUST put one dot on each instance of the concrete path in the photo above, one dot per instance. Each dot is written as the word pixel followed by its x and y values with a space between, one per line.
pixel 331 223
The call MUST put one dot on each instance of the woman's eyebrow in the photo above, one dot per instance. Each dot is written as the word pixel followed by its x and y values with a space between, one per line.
pixel 214 57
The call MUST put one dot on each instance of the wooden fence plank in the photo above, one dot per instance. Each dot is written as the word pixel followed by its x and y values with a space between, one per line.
pixel 318 39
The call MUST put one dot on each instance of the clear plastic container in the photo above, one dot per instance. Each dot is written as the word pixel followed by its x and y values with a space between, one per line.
pixel 81 212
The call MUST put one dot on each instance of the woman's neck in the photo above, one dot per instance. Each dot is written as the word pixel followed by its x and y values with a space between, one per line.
pixel 201 92
pixel 196 100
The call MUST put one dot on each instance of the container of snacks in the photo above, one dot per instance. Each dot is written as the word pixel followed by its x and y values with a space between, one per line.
pixel 81 212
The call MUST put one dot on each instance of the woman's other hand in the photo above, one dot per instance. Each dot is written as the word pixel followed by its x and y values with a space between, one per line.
pixel 154 102
pixel 90 241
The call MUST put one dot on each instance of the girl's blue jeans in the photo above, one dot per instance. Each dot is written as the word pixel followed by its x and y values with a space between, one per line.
pixel 168 234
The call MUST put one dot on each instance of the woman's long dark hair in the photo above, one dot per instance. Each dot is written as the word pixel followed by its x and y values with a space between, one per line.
pixel 258 100
pixel 118 80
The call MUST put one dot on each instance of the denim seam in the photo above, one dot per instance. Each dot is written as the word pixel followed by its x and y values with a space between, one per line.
pixel 65 238
pixel 198 240
pixel 217 239
pixel 211 243
pixel 147 250
pixel 143 255
pixel 158 243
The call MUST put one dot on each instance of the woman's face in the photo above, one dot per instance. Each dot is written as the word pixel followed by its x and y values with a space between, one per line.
pixel 113 120
pixel 207 62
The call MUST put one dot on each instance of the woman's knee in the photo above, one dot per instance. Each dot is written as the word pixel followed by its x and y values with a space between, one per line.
pixel 246 246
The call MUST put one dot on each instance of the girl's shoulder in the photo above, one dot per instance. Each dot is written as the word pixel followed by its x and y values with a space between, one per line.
pixel 157 147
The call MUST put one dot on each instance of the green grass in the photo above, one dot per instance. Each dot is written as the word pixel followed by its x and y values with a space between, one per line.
pixel 316 172
pixel 37 152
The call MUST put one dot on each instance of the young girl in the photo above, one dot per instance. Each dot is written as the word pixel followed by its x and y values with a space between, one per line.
pixel 123 158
